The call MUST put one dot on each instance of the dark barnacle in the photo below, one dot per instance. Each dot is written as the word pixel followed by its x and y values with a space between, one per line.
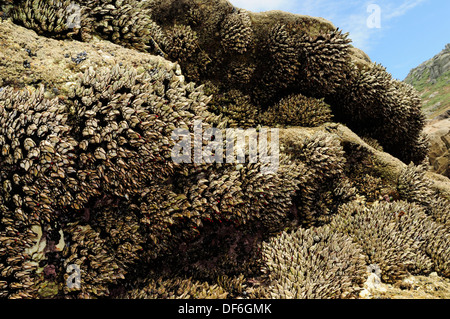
pixel 30 53
pixel 80 57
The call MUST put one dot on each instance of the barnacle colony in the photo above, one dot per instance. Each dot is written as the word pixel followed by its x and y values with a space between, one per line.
pixel 88 180
pixel 214 41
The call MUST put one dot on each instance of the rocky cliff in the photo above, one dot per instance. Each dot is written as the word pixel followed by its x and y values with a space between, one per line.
pixel 432 80
pixel 439 136
pixel 88 182
pixel 436 67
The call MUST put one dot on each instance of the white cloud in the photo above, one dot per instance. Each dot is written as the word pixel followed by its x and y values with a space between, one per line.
pixel 402 9
pixel 263 5
pixel 349 15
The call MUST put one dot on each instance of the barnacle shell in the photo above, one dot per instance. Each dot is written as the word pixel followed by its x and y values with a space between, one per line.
pixel 237 32
pixel 298 110
pixel 313 264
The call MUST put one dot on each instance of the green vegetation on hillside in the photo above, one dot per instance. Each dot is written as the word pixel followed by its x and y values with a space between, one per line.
pixel 435 94
pixel 436 97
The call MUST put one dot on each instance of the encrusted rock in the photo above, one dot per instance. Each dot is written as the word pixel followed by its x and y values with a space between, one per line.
pixel 88 182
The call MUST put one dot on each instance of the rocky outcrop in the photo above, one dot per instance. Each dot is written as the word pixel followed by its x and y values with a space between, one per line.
pixel 432 80
pixel 436 67
pixel 227 50
pixel 439 155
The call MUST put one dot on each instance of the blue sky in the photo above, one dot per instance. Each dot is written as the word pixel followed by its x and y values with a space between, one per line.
pixel 411 31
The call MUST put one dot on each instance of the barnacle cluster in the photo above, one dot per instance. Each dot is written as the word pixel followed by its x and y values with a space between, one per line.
pixel 240 74
pixel 282 72
pixel 298 110
pixel 32 155
pixel 54 17
pixel 399 237
pixel 374 104
pixel 324 60
pixel 413 186
pixel 313 264
pixel 237 109
pixel 208 39
pixel 439 209
pixel 236 32
pixel 323 157
pixel 124 22
pixel 89 179
pixel 51 170
pixel 75 168
pixel 181 43
pixel 178 289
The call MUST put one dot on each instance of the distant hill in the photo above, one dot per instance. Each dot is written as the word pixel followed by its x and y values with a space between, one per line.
pixel 432 80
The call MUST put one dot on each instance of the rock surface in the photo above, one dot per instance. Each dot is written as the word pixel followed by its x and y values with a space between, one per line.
pixel 412 287
pixel 439 135
pixel 27 59
pixel 437 66
pixel 432 80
